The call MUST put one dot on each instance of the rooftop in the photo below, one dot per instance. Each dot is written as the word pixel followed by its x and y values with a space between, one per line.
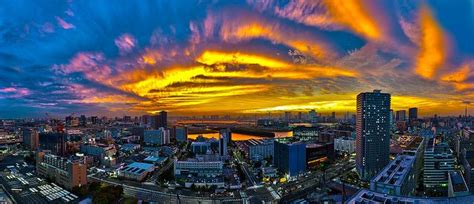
pixel 457 181
pixel 368 196
pixel 137 168
pixel 154 159
pixel 396 171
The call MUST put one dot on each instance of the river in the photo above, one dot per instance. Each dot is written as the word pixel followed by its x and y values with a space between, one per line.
pixel 240 137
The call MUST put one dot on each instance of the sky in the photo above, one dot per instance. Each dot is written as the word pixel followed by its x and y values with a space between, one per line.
pixel 233 57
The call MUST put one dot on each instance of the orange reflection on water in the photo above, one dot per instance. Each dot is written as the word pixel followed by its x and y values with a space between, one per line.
pixel 240 137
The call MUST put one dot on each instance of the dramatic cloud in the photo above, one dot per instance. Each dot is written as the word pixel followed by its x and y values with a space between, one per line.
pixel 432 47
pixel 247 57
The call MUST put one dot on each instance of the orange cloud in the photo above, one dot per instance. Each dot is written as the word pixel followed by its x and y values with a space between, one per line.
pixel 432 47
pixel 253 27
pixel 151 57
pixel 215 57
pixel 458 78
pixel 460 75
pixel 352 14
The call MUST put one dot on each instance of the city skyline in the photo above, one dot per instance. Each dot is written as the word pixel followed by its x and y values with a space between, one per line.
pixel 243 57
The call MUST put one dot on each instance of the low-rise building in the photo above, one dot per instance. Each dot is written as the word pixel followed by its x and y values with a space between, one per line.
pixel 344 145
pixel 199 172
pixel 129 148
pixel 397 178
pixel 100 152
pixel 260 149
pixel 136 171
pixel 457 185
pixel 367 196
pixel 69 173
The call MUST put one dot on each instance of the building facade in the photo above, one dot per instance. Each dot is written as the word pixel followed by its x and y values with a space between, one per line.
pixel 438 162
pixel 157 137
pixel 181 133
pixel 65 172
pixel 372 133
pixel 260 149
pixel 397 178
pixel 344 145
pixel 290 158
pixel 401 115
pixel 31 139
pixel 54 141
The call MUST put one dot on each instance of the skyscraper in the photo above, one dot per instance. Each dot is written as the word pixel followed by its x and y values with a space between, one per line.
pixel 313 117
pixel 401 115
pixel 373 133
pixel 30 138
pixel 412 114
pixel 160 120
pixel 54 141
pixel 224 139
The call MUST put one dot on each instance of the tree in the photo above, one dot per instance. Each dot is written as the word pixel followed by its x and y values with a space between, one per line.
pixel 107 194
pixel 80 191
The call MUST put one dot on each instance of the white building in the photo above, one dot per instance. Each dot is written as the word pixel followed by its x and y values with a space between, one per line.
pixel 397 178
pixel 438 162
pixel 200 173
pixel 157 137
pixel 344 144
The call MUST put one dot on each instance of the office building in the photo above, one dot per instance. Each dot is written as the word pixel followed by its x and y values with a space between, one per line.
pixel 226 134
pixel 412 114
pixel 54 141
pixel 224 139
pixel 401 115
pixel 313 116
pixel 160 120
pixel 157 137
pixel 287 116
pixel 69 173
pixel 438 162
pixel 397 178
pixel 372 133
pixel 199 172
pixel 30 139
pixel 344 145
pixel 306 133
pixel 200 147
pixel 290 158
pixel 181 133
pixel 260 149
pixel 100 152
pixel 415 147
pixel 457 185
pixel 319 152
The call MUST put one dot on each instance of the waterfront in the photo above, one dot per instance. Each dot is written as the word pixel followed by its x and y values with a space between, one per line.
pixel 241 137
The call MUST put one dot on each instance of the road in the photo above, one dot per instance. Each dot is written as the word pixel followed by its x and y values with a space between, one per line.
pixel 148 194
pixel 306 184
pixel 243 164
